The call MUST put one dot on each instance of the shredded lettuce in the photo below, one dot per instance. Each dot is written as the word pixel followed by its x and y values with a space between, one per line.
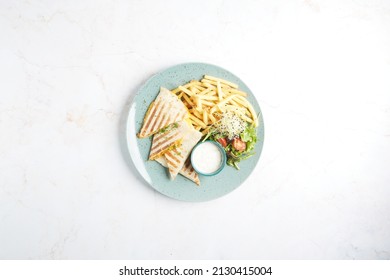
pixel 249 134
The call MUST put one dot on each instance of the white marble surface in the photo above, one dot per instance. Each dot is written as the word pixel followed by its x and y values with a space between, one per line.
pixel 320 71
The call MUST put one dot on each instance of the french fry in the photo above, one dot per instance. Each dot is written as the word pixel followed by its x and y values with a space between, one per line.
pixel 208 85
pixel 212 92
pixel 205 117
pixel 233 85
pixel 191 83
pixel 188 100
pixel 196 113
pixel 224 101
pixel 206 130
pixel 200 87
pixel 208 103
pixel 205 91
pixel 208 97
pixel 233 90
pixel 234 108
pixel 175 91
pixel 214 83
pixel 212 118
pixel 197 121
pixel 219 91
pixel 250 108
pixel 185 90
pixel 194 90
pixel 233 102
pixel 199 104
pixel 240 101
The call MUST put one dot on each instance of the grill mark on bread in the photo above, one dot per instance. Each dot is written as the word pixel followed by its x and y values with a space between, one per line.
pixel 161 135
pixel 149 119
pixel 164 120
pixel 170 163
pixel 172 157
pixel 158 148
pixel 158 116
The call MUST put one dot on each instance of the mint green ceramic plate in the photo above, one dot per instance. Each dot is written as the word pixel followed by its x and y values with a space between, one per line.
pixel 156 175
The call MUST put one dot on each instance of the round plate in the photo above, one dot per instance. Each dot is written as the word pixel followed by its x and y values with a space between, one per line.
pixel 156 175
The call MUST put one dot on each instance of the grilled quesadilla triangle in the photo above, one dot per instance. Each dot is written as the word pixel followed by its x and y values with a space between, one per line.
pixel 179 154
pixel 169 138
pixel 187 170
pixel 164 110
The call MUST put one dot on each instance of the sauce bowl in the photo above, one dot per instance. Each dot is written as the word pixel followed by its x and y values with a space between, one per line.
pixel 208 158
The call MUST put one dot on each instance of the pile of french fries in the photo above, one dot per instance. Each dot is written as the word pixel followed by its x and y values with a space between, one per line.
pixel 208 98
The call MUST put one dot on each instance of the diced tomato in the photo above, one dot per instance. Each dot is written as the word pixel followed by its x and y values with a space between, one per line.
pixel 239 145
pixel 222 141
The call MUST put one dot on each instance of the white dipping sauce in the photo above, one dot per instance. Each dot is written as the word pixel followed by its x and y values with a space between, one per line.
pixel 206 158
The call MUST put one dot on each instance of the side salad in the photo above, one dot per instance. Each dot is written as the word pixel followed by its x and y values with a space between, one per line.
pixel 237 137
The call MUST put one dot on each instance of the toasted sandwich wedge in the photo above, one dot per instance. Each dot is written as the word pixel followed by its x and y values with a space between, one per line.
pixel 164 110
pixel 169 138
pixel 179 154
pixel 187 170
